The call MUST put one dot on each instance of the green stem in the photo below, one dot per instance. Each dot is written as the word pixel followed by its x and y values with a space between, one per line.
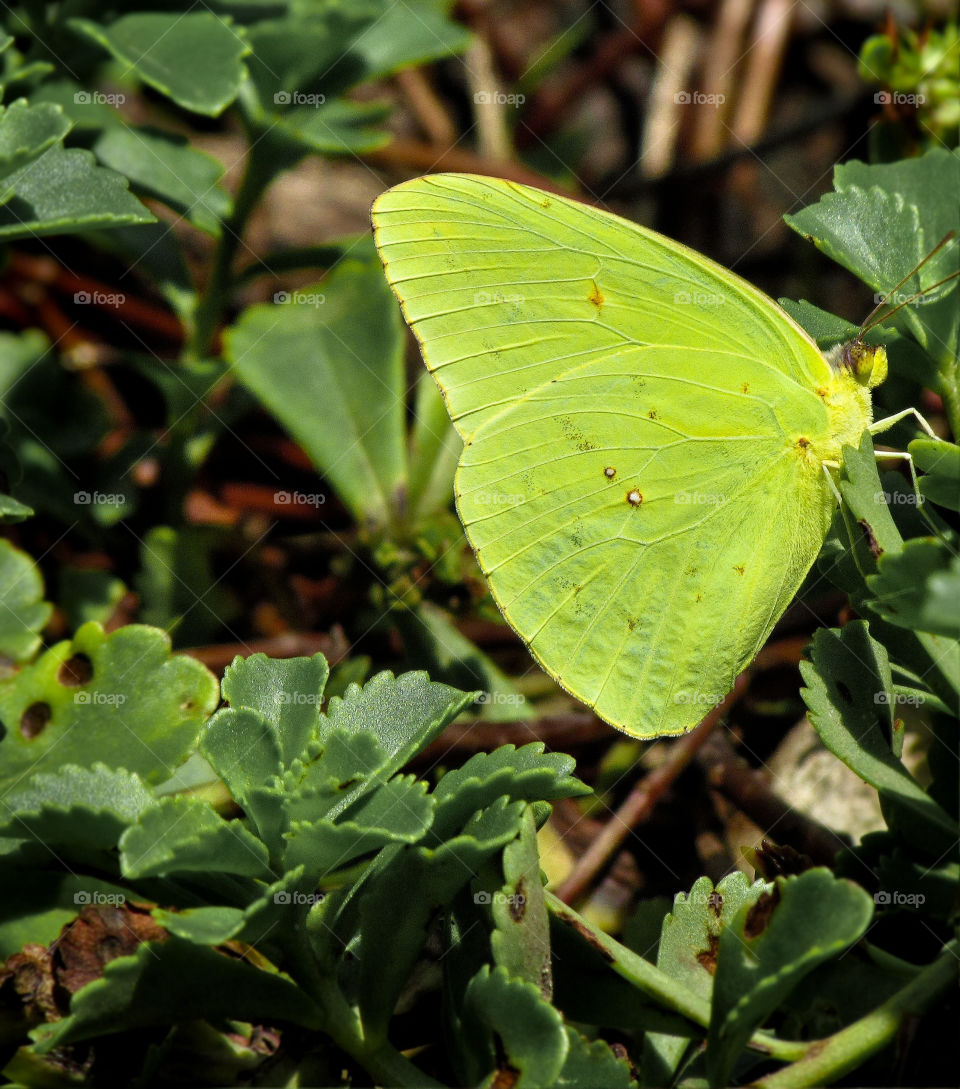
pixel 342 1023
pixel 209 312
pixel 829 1059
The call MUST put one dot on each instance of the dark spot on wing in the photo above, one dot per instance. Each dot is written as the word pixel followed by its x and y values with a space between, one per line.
pixel 609 472
pixel 745 387
pixel 739 568
pixel 634 497
pixel 652 414
pixel 803 442
pixel 596 296
pixel 631 623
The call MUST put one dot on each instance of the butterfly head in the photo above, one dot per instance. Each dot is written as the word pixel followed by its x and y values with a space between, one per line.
pixel 866 362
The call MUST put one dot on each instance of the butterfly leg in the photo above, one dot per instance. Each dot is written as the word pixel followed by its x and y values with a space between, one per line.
pixel 888 422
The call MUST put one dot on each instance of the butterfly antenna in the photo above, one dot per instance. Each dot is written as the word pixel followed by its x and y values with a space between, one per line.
pixel 864 329
pixel 867 325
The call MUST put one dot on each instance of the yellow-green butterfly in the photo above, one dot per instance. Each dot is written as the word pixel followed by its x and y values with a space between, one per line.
pixel 647 437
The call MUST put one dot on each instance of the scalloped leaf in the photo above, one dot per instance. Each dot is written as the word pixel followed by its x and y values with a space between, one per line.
pixel 184 981
pixel 530 1032
pixel 940 463
pixel 179 835
pixel 23 612
pixel 411 885
pixel 526 774
pixel 194 58
pixel 848 695
pixel 919 589
pixel 687 952
pixel 141 709
pixel 165 166
pixel 526 1042
pixel 287 691
pixel 880 222
pixel 244 749
pixel 64 190
pixel 75 805
pixel 769 946
pixel 274 916
pixel 26 132
pixel 399 811
pixel 403 713
pixel 520 941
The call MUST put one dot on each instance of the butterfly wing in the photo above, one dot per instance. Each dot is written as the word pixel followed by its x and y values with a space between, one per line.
pixel 639 478
pixel 506 287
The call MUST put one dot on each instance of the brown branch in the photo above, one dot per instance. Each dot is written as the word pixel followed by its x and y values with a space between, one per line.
pixel 642 799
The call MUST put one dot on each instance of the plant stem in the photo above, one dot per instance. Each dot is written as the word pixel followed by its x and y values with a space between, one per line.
pixel 829 1059
pixel 267 155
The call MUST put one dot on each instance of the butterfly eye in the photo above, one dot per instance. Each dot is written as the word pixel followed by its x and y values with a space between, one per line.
pixel 868 362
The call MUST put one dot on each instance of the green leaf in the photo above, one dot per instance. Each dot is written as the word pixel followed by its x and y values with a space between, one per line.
pixel 186 981
pixel 397 812
pixel 435 448
pixel 178 835
pixel 410 888
pixel 688 953
pixel 328 363
pixel 940 463
pixel 167 167
pixel 64 190
pixel 340 127
pixel 177 586
pixel 919 589
pixel 521 939
pixel 286 691
pixel 243 748
pixel 848 694
pixel 769 946
pixel 75 805
pixel 88 594
pixel 26 132
pixel 405 37
pixel 275 915
pixel 433 641
pixel 530 1032
pixel 193 58
pixel 404 714
pixel 880 223
pixel 141 709
pixel 524 774
pixel 23 612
